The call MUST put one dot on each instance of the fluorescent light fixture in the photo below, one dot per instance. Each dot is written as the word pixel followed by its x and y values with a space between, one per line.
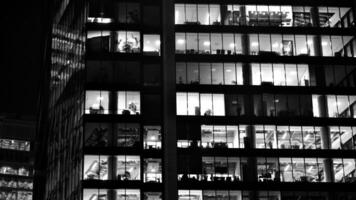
pixel 254 44
pixel 206 43
pixel 180 41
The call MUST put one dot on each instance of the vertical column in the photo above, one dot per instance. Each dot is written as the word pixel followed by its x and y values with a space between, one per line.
pixel 325 140
pixel 112 102
pixel 250 140
pixel 169 102
pixel 314 15
pixel 224 16
pixel 113 41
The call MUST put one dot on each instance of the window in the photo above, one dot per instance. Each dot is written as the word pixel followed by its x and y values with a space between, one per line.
pixel 344 169
pixel 179 13
pixel 180 43
pixel 181 73
pixel 287 137
pixel 209 73
pixel 89 194
pixel 152 137
pixel 153 170
pixel 341 106
pixel 150 15
pixel 129 103
pixel 342 137
pixel 100 12
pixel 19 145
pixel 222 168
pixel 152 45
pixel 128 13
pixel 98 41
pixel 128 168
pixel 128 135
pixel 302 169
pixel 200 104
pixel 128 42
pixel 189 194
pixel 283 105
pixel 152 75
pixel 99 71
pixel 97 134
pixel 96 167
pixel 97 102
pixel 152 196
pixel 22 171
pixel 128 194
pixel 222 136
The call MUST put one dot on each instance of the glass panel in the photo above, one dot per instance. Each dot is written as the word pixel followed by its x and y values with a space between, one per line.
pixel 182 103
pixel 193 104
pixel 153 170
pixel 192 43
pixel 230 74
pixel 181 73
pixel 204 43
pixel 152 45
pixel 205 73
pixel 279 74
pixel 179 14
pixel 129 103
pixel 191 13
pixel 128 135
pixel 152 137
pixel 180 43
pixel 217 73
pixel 97 102
pixel 206 103
pixel 95 167
pixel 192 73
pixel 128 168
pixel 218 105
pixel 128 194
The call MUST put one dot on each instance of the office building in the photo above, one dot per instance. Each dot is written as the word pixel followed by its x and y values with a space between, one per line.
pixel 16 157
pixel 202 99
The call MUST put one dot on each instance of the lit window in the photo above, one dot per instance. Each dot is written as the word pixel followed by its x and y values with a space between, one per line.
pixel 153 170
pixel 152 45
pixel 96 167
pixel 128 42
pixel 97 102
pixel 152 137
pixel 128 194
pixel 128 168
pixel 129 103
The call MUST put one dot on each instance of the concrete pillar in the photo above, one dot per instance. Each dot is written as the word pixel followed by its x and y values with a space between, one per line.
pixel 329 170
pixel 112 102
pixel 325 140
pixel 223 14
pixel 250 140
pixel 113 41
pixel 325 137
pixel 314 15
pixel 112 194
pixel 169 102
pixel 323 106
pixel 250 132
pixel 112 168
pixel 243 19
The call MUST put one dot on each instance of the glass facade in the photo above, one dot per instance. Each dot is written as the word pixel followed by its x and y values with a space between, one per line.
pixel 264 95
pixel 195 100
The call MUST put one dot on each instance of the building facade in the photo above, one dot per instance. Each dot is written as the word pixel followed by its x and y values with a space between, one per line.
pixel 16 157
pixel 202 99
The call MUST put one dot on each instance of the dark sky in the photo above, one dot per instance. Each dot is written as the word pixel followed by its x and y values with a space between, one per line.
pixel 21 41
